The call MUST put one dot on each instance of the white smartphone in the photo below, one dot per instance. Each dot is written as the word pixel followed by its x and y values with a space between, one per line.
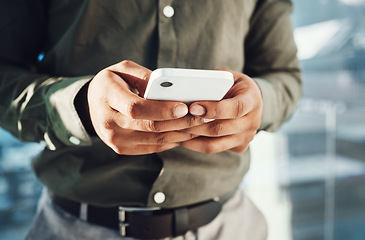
pixel 188 85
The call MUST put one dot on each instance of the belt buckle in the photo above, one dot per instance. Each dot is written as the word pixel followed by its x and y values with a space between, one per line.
pixel 123 224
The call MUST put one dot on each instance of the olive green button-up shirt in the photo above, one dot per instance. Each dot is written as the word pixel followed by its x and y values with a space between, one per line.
pixel 78 38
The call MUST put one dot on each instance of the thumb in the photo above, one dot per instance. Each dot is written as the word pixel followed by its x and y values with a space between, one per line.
pixel 134 74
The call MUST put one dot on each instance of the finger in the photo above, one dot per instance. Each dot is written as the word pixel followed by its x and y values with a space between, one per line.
pixel 126 142
pixel 142 149
pixel 134 74
pixel 209 145
pixel 148 138
pixel 239 149
pixel 243 97
pixel 219 128
pixel 121 99
pixel 226 109
pixel 157 126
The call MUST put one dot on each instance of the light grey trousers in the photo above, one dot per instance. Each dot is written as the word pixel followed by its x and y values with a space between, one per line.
pixel 239 220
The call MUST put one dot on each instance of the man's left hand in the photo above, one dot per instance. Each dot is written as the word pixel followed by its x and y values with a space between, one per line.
pixel 232 123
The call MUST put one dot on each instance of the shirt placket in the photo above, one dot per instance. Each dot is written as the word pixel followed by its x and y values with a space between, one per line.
pixel 167 53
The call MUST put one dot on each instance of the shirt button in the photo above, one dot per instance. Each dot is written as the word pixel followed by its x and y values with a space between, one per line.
pixel 74 140
pixel 168 11
pixel 159 197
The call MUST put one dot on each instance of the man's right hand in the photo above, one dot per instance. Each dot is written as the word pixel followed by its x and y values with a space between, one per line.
pixel 130 124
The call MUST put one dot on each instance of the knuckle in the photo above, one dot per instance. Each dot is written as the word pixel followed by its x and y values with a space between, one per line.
pixel 108 124
pixel 118 150
pixel 216 128
pixel 239 109
pixel 151 126
pixel 133 109
pixel 190 121
pixel 192 136
pixel 159 148
pixel 162 138
pixel 144 75
pixel 197 121
pixel 210 148
pixel 111 140
pixel 241 149
pixel 217 111
pixel 126 63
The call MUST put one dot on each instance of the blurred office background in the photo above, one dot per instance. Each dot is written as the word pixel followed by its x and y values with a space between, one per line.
pixel 309 178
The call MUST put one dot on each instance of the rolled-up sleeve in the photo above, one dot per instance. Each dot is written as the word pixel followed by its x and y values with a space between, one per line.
pixel 34 107
pixel 271 59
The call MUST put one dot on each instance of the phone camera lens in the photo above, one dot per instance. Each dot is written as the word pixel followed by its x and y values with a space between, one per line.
pixel 166 84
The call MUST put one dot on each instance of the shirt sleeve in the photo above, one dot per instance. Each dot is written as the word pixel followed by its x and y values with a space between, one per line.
pixel 35 107
pixel 271 59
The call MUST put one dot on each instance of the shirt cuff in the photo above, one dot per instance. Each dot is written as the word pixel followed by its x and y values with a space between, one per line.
pixel 270 106
pixel 65 123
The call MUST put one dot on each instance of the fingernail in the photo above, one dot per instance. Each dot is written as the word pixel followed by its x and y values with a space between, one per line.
pixel 180 111
pixel 197 110
pixel 206 120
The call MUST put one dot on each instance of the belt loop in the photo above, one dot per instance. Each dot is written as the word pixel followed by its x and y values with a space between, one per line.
pixel 83 211
pixel 181 221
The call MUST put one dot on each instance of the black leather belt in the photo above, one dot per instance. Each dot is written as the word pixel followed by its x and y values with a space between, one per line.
pixel 148 223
